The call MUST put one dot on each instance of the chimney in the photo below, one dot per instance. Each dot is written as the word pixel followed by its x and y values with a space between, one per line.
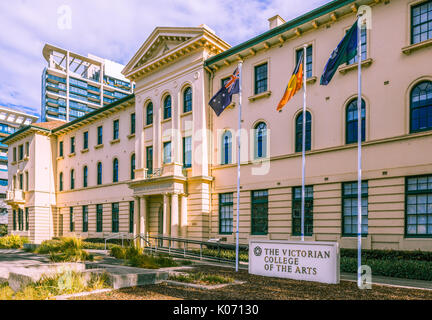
pixel 275 21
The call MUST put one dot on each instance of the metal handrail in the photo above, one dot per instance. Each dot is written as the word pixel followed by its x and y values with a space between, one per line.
pixel 123 235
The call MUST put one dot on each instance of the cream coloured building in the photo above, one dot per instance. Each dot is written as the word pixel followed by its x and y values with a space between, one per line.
pixel 161 162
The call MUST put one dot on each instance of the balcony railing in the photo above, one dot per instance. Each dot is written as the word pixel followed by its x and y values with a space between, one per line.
pixel 16 196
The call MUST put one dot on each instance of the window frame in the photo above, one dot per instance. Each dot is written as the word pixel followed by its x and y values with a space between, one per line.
pixel 71 220
pixel 115 216
pixel 116 129
pixel 223 205
pixel 99 217
pixel 309 64
pixel 149 113
pixel 185 153
pixel 149 160
pixel 85 218
pixel 131 216
pixel 354 196
pixel 226 155
pixel 254 203
pixel 85 140
pixel 299 135
pixel 99 135
pixel 165 144
pixel 99 176
pixel 412 26
pixel 265 79
pixel 351 101
pixel 187 91
pixel 85 177
pixel 167 108
pixel 264 144
pixel 72 179
pixel 412 108
pixel 417 192
pixel 115 176
pixel 72 145
pixel 294 202
pixel 132 123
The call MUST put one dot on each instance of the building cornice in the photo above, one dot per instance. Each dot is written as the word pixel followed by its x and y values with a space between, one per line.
pixel 293 29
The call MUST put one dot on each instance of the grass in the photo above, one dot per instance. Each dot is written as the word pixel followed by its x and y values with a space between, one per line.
pixel 60 284
pixel 12 242
pixel 201 278
pixel 64 250
pixel 136 258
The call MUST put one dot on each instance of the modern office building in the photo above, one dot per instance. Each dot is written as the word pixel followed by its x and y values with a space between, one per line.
pixel 10 121
pixel 161 162
pixel 74 85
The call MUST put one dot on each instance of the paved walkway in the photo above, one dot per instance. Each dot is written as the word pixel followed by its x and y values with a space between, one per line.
pixel 11 259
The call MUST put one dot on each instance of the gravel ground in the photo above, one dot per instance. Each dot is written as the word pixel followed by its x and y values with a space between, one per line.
pixel 262 288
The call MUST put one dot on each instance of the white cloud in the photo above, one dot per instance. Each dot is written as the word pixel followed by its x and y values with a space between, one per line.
pixel 115 30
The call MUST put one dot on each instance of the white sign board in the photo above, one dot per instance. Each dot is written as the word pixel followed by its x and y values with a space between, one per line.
pixel 299 260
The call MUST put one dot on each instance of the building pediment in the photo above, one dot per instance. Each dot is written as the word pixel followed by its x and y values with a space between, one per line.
pixel 166 44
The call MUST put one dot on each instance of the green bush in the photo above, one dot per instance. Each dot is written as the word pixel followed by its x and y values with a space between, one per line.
pixel 201 278
pixel 407 269
pixel 12 242
pixel 3 230
pixel 98 241
pixel 67 249
pixel 118 252
pixel 416 255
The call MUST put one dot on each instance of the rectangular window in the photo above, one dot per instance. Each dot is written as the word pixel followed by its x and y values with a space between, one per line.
pixel 72 145
pixel 14 154
pixel 259 217
pixel 20 152
pixel 418 217
pixel 27 149
pixel 421 22
pixel 225 213
pixel 99 217
pixel 132 124
pixel 350 208
pixel 14 226
pixel 115 217
pixel 296 211
pixel 99 135
pixel 149 160
pixel 72 179
pixel 21 181
pixel 187 152
pixel 85 218
pixel 27 219
pixel 85 138
pixel 20 219
pixel 299 53
pixel 131 216
pixel 71 220
pixel 167 152
pixel 61 149
pixel 115 129
pixel 27 180
pixel 363 46
pixel 261 78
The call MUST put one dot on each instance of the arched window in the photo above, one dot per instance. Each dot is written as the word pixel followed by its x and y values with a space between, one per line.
pixel 99 173
pixel 61 181
pixel 167 107
pixel 115 170
pixel 351 121
pixel 187 100
pixel 72 179
pixel 299 132
pixel 421 107
pixel 260 140
pixel 85 174
pixel 132 173
pixel 149 113
pixel 226 147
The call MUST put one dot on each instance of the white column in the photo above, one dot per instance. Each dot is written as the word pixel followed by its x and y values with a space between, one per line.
pixel 174 215
pixel 165 217
pixel 136 218
pixel 143 213
pixel 184 218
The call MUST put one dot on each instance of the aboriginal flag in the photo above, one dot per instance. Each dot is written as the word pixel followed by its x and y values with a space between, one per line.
pixel 294 85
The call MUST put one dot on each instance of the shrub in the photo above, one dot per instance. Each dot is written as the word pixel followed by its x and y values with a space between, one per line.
pixel 12 242
pixel 64 250
pixel 3 230
pixel 388 254
pixel 407 269
pixel 118 252
pixel 201 278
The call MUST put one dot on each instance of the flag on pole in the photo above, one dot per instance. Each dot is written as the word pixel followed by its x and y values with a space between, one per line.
pixel 345 51
pixel 223 97
pixel 294 85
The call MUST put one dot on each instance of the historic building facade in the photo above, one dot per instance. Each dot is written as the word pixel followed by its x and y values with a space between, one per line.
pixel 161 162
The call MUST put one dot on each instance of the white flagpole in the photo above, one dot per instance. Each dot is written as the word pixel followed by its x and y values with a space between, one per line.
pixel 238 164
pixel 359 153
pixel 303 143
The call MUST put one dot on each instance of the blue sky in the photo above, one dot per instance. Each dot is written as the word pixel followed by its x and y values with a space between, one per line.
pixel 114 30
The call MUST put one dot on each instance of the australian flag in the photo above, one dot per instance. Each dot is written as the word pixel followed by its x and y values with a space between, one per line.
pixel 345 51
pixel 223 97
